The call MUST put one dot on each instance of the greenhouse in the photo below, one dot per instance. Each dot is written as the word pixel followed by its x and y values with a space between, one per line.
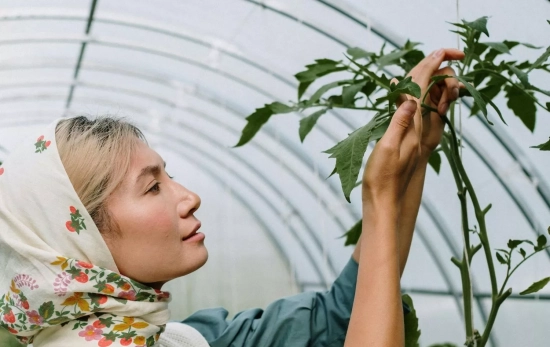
pixel 195 75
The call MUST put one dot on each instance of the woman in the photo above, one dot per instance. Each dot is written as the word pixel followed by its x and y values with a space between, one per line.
pixel 91 227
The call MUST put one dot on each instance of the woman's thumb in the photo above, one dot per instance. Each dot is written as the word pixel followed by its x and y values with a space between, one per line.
pixel 401 120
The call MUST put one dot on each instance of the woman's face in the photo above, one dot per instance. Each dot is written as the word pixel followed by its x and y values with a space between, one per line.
pixel 155 219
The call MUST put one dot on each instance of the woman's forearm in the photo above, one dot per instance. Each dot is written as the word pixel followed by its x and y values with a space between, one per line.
pixel 377 313
pixel 409 211
pixel 410 206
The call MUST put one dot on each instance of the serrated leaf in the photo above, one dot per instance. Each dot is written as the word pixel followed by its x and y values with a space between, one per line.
pixel 358 53
pixel 412 332
pixel 349 92
pixel 405 86
pixel 541 60
pixel 522 76
pixel 543 147
pixel 535 287
pixel 381 81
pixel 349 154
pixel 390 58
pixel 435 161
pixel 478 98
pixel 353 234
pixel 497 46
pixel 257 119
pixel 322 90
pixel 479 24
pixel 522 105
pixel 307 123
pixel 320 68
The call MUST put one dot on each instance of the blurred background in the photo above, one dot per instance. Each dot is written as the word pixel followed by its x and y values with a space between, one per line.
pixel 189 72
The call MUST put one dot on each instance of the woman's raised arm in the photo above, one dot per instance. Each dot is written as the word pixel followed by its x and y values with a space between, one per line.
pixel 377 314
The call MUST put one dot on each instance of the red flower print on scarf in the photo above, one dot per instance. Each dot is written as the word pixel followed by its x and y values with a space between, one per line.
pixel 41 145
pixel 1 171
pixel 77 221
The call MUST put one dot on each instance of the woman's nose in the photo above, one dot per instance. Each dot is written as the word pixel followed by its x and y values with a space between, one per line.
pixel 189 202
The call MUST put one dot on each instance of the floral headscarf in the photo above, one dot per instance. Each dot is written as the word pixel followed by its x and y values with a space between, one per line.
pixel 59 285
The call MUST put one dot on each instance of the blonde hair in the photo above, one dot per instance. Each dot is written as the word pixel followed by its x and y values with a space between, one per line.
pixel 96 155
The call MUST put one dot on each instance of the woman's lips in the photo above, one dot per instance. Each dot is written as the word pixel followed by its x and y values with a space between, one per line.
pixel 194 234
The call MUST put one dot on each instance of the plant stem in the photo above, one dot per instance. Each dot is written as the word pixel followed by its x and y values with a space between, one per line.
pixel 463 265
pixel 493 315
pixel 480 217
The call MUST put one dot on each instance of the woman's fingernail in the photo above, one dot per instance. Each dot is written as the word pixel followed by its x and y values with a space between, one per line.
pixel 439 53
pixel 444 108
pixel 454 93
pixel 409 107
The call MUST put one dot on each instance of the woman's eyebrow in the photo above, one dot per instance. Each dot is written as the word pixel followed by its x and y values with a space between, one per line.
pixel 149 170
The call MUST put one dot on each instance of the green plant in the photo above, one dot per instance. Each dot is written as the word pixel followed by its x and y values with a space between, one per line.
pixel 485 74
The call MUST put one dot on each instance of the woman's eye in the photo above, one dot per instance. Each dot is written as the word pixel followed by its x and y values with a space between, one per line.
pixel 155 188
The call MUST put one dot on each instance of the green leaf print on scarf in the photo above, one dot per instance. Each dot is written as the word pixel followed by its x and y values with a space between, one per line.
pixel 41 144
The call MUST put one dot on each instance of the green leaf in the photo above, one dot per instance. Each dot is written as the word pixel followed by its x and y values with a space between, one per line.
pixel 317 95
pixel 543 146
pixel 302 87
pixel 320 68
pixel 46 310
pixel 478 98
pixel 541 242
pixel 497 46
pixel 501 259
pixel 349 154
pixel 358 53
pixel 522 105
pixel 445 344
pixel 405 86
pixel 58 320
pixel 541 60
pixel 479 24
pixel 349 92
pixel 307 123
pixel 382 80
pixel 257 119
pixel 522 252
pixel 280 108
pixel 369 88
pixel 435 161
pixel 522 76
pixel 412 332
pixel 390 58
pixel 535 287
pixel 514 243
pixel 352 235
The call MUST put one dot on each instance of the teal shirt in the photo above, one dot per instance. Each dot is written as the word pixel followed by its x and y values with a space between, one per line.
pixel 318 319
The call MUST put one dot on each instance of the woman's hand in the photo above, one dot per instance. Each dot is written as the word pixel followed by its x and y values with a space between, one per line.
pixel 394 158
pixel 440 95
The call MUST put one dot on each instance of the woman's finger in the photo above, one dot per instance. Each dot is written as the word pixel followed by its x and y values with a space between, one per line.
pixel 401 122
pixel 450 89
pixel 423 72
